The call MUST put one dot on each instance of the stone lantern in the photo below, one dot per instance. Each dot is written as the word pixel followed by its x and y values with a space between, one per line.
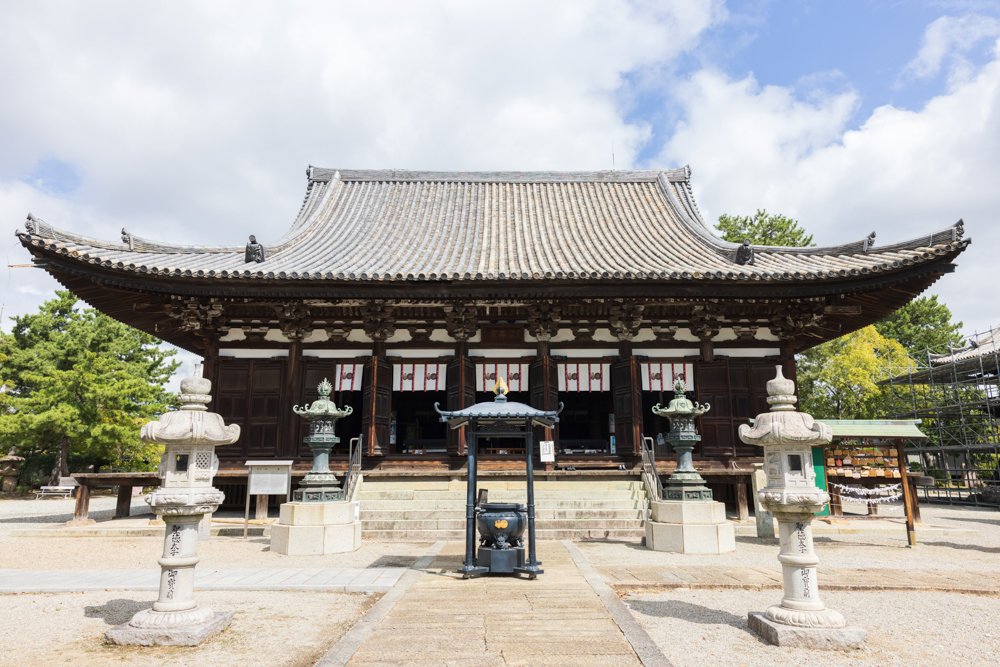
pixel 320 519
pixel 788 437
pixel 320 485
pixel 9 470
pixel 686 519
pixel 187 466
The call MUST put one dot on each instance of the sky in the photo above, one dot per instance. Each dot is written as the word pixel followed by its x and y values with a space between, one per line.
pixel 194 122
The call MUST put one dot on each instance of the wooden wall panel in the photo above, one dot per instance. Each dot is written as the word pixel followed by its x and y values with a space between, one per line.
pixel 249 395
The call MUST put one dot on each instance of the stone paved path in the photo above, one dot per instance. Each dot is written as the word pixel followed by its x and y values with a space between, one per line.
pixel 337 580
pixel 957 580
pixel 557 619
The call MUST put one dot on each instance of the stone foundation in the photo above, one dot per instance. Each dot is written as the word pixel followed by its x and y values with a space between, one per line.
pixel 127 634
pixel 836 639
pixel 308 529
pixel 690 528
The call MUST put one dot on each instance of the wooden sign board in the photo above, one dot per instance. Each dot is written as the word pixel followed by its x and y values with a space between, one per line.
pixel 503 335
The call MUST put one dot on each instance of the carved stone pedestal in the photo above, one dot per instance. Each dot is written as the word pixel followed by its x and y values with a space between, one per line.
pixel 780 634
pixel 175 619
pixel 690 528
pixel 312 529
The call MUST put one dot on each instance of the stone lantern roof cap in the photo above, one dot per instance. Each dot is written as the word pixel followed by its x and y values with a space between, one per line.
pixel 322 407
pixel 681 405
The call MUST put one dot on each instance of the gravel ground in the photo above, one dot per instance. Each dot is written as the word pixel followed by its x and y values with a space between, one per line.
pixel 706 628
pixel 270 629
pixel 58 510
pixel 116 553
pixel 934 552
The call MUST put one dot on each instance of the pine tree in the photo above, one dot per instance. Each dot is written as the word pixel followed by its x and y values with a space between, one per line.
pixel 80 383
pixel 763 229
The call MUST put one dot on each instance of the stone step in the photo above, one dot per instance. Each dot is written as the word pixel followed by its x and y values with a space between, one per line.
pixel 404 514
pixel 412 535
pixel 419 525
pixel 546 503
pixel 540 534
pixel 566 534
pixel 540 513
pixel 589 524
pixel 368 493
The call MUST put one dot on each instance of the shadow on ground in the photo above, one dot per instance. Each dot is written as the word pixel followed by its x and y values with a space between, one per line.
pixel 687 611
pixel 116 612
pixel 394 561
pixel 961 547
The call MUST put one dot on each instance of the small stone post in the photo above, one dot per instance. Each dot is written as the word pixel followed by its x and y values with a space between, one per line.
pixel 791 494
pixel 185 495
pixel 764 519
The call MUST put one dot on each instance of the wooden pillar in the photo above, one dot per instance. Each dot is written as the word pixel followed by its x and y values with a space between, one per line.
pixel 788 360
pixel 544 391
pixel 461 391
pixel 707 350
pixel 376 402
pixel 82 510
pixel 625 385
pixel 742 508
pixel 124 505
pixel 292 392
pixel 260 512
pixel 210 367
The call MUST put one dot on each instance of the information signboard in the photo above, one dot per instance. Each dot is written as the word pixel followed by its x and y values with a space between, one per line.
pixel 267 478
pixel 548 451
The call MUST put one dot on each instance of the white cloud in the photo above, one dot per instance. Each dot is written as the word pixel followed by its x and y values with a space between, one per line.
pixel 901 173
pixel 950 36
pixel 194 121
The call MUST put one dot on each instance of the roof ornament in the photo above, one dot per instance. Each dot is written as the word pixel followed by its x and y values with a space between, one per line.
pixel 869 242
pixel 254 251
pixel 744 254
pixel 500 390
pixel 127 238
pixel 31 224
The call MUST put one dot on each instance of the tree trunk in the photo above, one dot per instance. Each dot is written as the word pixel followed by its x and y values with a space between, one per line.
pixel 60 468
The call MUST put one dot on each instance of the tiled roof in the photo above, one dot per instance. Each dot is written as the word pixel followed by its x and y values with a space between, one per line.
pixel 432 226
pixel 984 345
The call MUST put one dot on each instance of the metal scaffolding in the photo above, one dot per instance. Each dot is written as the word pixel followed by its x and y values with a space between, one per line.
pixel 955 394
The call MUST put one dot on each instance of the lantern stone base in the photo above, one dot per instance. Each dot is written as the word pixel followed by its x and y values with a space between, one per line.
pixel 306 529
pixel 690 528
pixel 836 639
pixel 165 634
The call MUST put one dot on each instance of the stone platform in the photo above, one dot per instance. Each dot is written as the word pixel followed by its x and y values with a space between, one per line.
pixel 833 639
pixel 306 529
pixel 192 635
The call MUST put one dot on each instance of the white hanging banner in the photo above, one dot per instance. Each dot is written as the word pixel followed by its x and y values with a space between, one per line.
pixel 418 377
pixel 661 377
pixel 515 375
pixel 348 377
pixel 584 377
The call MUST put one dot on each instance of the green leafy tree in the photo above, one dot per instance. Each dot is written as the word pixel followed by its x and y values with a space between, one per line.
pixel 838 379
pixel 80 384
pixel 923 324
pixel 763 229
